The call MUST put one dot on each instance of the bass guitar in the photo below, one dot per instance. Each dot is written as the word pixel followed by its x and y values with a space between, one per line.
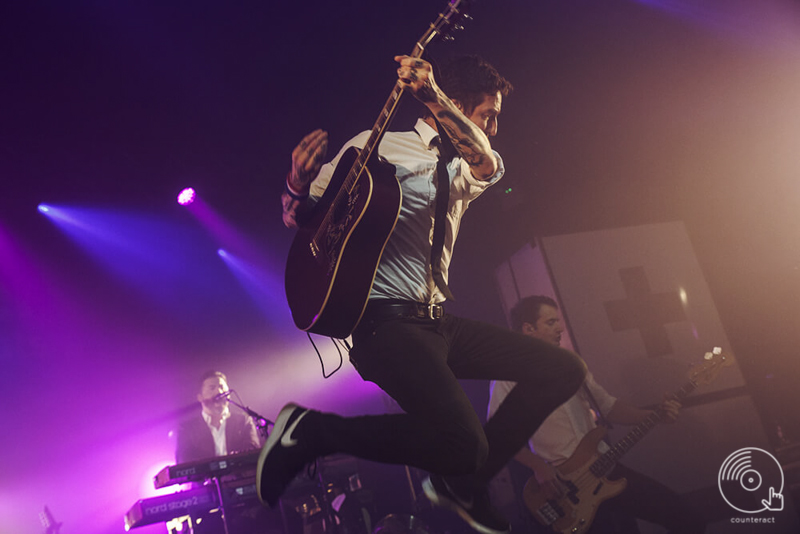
pixel 335 254
pixel 582 477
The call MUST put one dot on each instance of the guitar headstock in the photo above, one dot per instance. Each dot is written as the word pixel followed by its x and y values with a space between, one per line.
pixel 713 362
pixel 447 22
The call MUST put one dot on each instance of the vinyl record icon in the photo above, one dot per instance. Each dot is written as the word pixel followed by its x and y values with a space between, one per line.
pixel 746 477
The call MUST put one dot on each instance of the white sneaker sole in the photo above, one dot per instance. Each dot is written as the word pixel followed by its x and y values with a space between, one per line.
pixel 274 438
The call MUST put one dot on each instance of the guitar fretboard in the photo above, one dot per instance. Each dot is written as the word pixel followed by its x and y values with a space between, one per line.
pixel 606 462
pixel 445 20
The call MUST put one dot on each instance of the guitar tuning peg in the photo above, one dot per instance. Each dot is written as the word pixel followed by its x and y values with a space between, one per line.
pixel 448 38
pixel 466 16
pixel 458 27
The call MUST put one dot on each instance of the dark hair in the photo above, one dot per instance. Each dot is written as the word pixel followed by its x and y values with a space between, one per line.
pixel 211 374
pixel 527 310
pixel 469 79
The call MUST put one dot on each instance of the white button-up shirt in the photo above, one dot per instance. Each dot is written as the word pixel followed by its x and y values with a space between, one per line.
pixel 404 271
pixel 220 442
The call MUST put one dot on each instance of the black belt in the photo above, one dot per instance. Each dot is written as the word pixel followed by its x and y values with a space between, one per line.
pixel 386 309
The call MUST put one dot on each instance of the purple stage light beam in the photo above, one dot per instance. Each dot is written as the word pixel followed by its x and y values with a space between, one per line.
pixel 262 285
pixel 186 196
pixel 225 233
pixel 140 249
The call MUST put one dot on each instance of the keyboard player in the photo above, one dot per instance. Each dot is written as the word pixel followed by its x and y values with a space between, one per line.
pixel 216 430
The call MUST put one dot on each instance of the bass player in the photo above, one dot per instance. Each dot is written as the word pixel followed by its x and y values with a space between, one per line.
pixel 559 435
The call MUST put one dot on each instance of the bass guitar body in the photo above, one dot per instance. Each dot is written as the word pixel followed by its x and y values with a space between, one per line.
pixel 583 490
pixel 335 253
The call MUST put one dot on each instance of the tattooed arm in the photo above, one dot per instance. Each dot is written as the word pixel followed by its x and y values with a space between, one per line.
pixel 471 142
pixel 307 159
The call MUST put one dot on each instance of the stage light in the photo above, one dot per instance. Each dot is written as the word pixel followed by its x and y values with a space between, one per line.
pixel 43 208
pixel 222 253
pixel 186 196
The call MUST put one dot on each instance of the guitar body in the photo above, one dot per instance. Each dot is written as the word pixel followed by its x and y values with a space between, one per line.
pixel 336 251
pixel 574 512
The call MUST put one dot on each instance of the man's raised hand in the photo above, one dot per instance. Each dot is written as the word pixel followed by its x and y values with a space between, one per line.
pixel 307 158
pixel 416 75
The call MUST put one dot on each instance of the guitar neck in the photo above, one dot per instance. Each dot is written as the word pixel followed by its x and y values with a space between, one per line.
pixel 381 124
pixel 605 462
pixel 443 21
pixel 378 129
pixel 386 115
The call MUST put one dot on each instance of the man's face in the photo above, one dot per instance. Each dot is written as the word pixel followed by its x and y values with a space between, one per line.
pixel 212 387
pixel 485 114
pixel 547 328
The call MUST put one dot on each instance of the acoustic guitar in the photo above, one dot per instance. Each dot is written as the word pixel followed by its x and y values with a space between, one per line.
pixel 335 254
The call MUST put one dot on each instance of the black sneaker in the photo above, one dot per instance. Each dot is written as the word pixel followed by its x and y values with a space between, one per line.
pixel 282 456
pixel 476 509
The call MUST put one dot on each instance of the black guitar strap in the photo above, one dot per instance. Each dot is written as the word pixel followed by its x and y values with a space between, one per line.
pixel 446 152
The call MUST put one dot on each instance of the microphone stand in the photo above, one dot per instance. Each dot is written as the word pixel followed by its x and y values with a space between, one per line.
pixel 261 422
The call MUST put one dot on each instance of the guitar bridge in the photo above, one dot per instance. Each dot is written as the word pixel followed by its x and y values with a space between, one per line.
pixel 314 249
pixel 549 513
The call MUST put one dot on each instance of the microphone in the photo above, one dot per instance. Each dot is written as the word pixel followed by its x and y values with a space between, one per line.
pixel 216 399
pixel 223 395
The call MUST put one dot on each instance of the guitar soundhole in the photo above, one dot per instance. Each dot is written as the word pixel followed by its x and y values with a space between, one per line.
pixel 342 218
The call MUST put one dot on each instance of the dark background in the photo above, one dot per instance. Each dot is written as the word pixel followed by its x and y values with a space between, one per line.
pixel 624 113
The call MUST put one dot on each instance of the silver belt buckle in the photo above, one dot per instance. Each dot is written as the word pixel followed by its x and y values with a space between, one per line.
pixel 434 311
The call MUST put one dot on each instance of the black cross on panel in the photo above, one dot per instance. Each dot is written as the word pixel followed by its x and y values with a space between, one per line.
pixel 645 311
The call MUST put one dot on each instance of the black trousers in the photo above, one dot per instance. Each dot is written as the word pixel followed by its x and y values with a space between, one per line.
pixel 418 363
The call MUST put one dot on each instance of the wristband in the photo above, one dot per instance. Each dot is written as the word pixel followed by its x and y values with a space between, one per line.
pixel 291 192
